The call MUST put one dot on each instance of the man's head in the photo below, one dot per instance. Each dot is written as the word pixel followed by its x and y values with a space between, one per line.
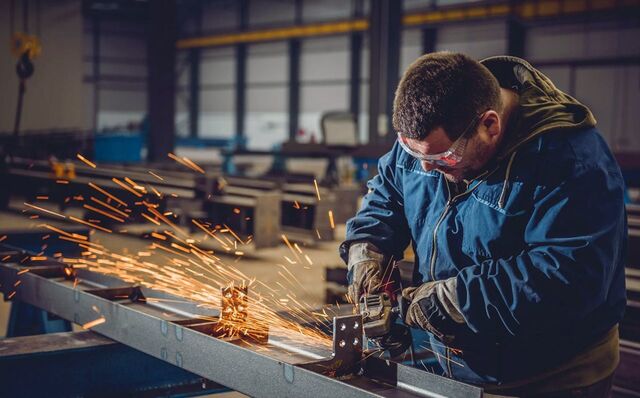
pixel 447 99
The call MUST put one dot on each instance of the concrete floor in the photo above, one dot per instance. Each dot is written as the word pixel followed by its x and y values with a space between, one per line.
pixel 260 265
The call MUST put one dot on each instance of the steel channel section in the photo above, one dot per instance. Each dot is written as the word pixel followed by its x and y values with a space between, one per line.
pixel 149 329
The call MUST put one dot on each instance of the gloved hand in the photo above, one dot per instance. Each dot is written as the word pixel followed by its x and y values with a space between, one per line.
pixel 365 270
pixel 434 308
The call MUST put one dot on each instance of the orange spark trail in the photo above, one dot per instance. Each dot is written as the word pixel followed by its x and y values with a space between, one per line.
pixel 93 323
pixel 86 161
pixel 126 187
pixel 43 210
pixel 104 213
pixel 108 206
pixel 102 191
pixel 315 183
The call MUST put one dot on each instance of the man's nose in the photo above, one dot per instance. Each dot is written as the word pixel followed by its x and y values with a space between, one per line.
pixel 426 166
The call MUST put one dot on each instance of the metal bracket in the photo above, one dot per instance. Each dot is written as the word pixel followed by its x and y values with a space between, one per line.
pixel 347 348
pixel 234 304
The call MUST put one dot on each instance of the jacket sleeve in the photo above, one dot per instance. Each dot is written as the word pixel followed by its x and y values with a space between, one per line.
pixel 381 219
pixel 574 246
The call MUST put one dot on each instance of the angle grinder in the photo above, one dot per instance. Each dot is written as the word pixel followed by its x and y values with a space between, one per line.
pixel 379 317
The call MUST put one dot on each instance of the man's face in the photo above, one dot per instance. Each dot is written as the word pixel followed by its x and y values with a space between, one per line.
pixel 479 150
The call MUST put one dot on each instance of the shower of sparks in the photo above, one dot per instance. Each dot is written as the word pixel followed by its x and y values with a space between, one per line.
pixel 176 262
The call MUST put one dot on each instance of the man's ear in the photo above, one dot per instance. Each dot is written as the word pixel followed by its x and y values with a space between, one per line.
pixel 490 122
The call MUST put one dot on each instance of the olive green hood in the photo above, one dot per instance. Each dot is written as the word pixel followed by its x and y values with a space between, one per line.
pixel 542 107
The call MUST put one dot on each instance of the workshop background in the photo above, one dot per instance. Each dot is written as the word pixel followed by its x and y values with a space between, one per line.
pixel 254 125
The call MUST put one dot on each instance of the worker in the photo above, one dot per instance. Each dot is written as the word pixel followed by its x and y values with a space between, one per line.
pixel 513 204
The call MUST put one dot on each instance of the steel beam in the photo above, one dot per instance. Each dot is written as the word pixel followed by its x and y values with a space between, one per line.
pixel 429 40
pixel 174 332
pixel 161 65
pixel 294 88
pixel 355 63
pixel 194 92
pixel 241 76
pixel 515 37
pixel 384 59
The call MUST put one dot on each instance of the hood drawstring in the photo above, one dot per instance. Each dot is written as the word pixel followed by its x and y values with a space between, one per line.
pixel 503 194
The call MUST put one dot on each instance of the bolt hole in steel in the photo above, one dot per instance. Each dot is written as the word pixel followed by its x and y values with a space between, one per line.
pixel 343 326
pixel 355 325
pixel 342 343
pixel 356 341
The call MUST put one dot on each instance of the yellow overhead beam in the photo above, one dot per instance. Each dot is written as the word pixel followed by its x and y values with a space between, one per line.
pixel 276 34
pixel 527 9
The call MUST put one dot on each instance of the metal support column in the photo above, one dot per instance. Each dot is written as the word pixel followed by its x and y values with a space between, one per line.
pixel 355 63
pixel 194 77
pixel 384 58
pixel 241 76
pixel 96 70
pixel 194 92
pixel 515 37
pixel 429 39
pixel 294 87
pixel 161 64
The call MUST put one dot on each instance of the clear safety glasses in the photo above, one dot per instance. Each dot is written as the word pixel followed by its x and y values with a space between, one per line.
pixel 448 158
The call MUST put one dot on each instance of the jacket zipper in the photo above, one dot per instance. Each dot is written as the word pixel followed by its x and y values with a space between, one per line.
pixel 434 247
pixel 450 201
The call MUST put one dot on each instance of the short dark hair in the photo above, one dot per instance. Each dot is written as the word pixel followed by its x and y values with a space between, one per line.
pixel 446 90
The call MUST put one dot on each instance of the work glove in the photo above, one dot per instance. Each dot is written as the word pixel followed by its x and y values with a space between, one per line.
pixel 364 270
pixel 434 308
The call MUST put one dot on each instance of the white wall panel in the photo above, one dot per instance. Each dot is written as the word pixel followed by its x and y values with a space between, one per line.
pixel 266 129
pixel 266 99
pixel 411 5
pixel 271 12
pixel 411 48
pixel 218 71
pixel 629 140
pixel 325 59
pixel 220 15
pixel 121 100
pixel 613 94
pixel 217 113
pixel 128 46
pixel 478 40
pixel 217 125
pixel 55 93
pixel 182 68
pixel 319 10
pixel 124 69
pixel 219 100
pixel 585 40
pixel 363 116
pixel 266 118
pixel 267 63
pixel 317 100
pixel 328 97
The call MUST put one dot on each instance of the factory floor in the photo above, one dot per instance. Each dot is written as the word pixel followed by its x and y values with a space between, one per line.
pixel 261 264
